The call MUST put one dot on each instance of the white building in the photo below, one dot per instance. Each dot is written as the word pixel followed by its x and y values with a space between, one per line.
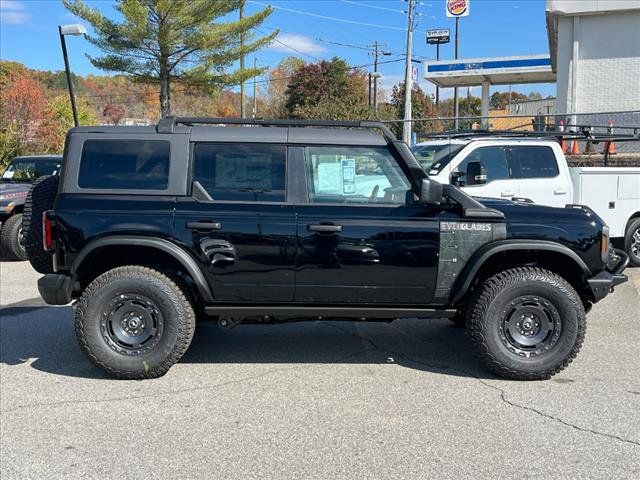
pixel 595 51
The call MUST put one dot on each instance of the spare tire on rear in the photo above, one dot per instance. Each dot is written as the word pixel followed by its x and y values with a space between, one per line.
pixel 41 197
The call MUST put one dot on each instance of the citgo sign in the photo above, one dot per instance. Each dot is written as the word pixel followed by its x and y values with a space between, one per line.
pixel 457 8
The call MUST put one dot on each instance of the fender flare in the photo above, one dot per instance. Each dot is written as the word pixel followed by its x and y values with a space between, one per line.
pixel 186 260
pixel 484 253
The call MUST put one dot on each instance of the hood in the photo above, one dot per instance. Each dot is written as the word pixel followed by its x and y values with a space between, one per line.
pixel 15 193
pixel 523 211
pixel 14 187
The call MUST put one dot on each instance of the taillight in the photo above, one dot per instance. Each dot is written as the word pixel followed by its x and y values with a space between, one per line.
pixel 47 231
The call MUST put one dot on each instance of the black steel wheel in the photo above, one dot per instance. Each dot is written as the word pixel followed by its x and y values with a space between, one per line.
pixel 526 323
pixel 531 326
pixel 134 322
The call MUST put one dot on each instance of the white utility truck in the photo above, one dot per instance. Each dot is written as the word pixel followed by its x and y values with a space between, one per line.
pixel 535 169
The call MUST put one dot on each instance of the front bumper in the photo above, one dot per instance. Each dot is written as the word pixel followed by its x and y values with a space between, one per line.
pixel 603 283
pixel 56 289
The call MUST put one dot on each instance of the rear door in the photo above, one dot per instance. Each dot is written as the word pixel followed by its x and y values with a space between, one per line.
pixel 539 178
pixel 362 238
pixel 244 234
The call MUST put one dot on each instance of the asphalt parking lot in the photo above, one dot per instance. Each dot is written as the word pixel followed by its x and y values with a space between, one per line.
pixel 314 400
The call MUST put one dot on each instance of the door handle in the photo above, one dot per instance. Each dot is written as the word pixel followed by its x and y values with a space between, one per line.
pixel 204 225
pixel 324 228
pixel 560 191
pixel 507 194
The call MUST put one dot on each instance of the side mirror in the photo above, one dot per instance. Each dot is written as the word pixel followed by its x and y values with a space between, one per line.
pixel 455 178
pixel 476 174
pixel 430 192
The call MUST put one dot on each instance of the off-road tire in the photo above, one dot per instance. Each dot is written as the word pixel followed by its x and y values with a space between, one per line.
pixel 632 228
pixel 40 198
pixel 492 305
pixel 10 238
pixel 93 314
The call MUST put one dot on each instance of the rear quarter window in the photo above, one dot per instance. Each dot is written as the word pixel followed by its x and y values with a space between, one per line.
pixel 125 164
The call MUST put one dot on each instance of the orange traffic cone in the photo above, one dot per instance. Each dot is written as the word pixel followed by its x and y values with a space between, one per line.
pixel 575 148
pixel 563 143
pixel 609 147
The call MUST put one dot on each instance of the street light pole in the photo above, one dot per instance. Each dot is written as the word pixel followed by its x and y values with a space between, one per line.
pixel 70 30
pixel 72 94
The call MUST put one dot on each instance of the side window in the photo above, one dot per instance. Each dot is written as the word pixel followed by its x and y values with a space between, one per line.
pixel 494 161
pixel 534 162
pixel 241 172
pixel 125 164
pixel 355 175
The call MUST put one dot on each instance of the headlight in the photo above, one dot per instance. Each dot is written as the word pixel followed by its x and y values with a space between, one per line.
pixel 604 244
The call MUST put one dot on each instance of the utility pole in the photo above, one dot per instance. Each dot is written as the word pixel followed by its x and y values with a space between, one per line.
pixel 456 111
pixel 375 76
pixel 406 125
pixel 255 94
pixel 242 65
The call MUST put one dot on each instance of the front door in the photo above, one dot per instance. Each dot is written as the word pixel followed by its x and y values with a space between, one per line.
pixel 244 234
pixel 362 238
pixel 499 182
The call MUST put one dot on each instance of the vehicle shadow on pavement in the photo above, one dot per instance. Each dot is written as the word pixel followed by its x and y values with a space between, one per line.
pixel 43 337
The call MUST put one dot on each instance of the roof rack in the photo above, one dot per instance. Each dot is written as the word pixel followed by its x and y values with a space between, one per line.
pixel 585 133
pixel 167 124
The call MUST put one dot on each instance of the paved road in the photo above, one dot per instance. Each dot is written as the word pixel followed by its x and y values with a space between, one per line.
pixel 315 400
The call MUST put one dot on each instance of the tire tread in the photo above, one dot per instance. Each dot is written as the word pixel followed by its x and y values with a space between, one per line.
pixel 484 296
pixel 187 324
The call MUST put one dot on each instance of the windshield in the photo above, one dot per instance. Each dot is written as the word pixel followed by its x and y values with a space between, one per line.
pixel 433 158
pixel 26 170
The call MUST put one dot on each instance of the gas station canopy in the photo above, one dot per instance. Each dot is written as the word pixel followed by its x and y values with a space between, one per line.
pixel 494 71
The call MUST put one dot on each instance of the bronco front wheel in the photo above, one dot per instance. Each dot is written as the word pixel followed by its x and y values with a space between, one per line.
pixel 134 322
pixel 526 323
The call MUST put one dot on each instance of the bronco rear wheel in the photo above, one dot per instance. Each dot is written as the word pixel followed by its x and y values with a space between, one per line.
pixel 526 323
pixel 134 322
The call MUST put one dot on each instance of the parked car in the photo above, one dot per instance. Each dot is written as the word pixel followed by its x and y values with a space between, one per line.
pixel 536 169
pixel 291 220
pixel 15 182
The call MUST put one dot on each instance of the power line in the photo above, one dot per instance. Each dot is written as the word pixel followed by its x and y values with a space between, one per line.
pixel 326 17
pixel 377 7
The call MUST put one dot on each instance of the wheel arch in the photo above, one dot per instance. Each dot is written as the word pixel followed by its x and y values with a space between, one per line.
pixel 492 257
pixel 155 247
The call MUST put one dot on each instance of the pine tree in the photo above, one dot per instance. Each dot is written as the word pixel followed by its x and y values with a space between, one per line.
pixel 175 41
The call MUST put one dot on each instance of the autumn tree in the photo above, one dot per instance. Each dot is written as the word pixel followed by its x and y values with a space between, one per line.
pixel 279 78
pixel 500 100
pixel 189 42
pixel 22 104
pixel 328 89
pixel 422 106
pixel 113 113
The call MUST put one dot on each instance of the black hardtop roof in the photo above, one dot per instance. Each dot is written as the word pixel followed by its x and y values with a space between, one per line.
pixel 260 130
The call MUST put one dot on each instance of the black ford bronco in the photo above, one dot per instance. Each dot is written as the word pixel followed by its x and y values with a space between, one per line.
pixel 149 228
